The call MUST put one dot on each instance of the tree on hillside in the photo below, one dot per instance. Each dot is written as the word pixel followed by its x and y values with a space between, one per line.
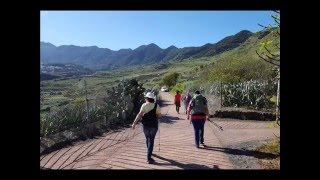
pixel 265 53
pixel 170 79
pixel 273 58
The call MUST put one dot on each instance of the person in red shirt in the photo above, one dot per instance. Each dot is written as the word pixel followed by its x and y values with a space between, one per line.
pixel 177 99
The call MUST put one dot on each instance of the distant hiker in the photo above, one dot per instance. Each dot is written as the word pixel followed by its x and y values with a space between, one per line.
pixel 186 100
pixel 177 99
pixel 149 112
pixel 198 109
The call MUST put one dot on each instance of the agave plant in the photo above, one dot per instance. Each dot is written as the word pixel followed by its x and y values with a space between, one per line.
pixel 255 94
pixel 117 104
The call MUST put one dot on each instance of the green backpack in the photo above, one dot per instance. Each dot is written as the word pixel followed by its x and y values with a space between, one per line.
pixel 197 105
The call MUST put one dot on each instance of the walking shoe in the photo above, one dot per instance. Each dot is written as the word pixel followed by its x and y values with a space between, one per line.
pixel 150 161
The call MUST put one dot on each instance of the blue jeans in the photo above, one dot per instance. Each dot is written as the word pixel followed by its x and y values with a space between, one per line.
pixel 150 134
pixel 186 106
pixel 198 126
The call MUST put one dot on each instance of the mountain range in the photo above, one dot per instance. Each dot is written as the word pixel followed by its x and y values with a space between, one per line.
pixel 97 58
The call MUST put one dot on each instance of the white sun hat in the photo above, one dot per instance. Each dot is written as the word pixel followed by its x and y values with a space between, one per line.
pixel 150 95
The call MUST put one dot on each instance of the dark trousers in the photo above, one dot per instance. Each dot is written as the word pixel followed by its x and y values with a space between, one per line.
pixel 198 126
pixel 150 134
pixel 177 108
pixel 177 103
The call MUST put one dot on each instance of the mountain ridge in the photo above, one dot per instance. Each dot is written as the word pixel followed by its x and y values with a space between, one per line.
pixel 97 58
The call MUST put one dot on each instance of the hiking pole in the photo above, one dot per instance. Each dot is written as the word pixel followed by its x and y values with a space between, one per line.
pixel 216 125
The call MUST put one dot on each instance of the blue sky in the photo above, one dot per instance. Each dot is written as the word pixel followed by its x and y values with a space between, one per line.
pixel 130 29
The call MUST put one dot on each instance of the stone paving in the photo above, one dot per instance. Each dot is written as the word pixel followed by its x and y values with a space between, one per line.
pixel 173 149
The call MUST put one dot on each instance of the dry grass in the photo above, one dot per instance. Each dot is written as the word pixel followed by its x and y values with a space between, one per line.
pixel 274 148
pixel 270 163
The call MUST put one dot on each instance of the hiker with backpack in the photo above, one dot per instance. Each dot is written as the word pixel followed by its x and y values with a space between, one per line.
pixel 186 100
pixel 176 101
pixel 149 112
pixel 199 110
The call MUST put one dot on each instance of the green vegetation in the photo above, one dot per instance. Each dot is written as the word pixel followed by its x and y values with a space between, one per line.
pixel 170 79
pixel 249 94
pixel 115 96
pixel 119 104
pixel 273 99
pixel 178 87
pixel 241 64
pixel 44 76
pixel 270 52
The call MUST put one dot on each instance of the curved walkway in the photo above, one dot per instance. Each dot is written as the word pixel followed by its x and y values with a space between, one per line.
pixel 174 148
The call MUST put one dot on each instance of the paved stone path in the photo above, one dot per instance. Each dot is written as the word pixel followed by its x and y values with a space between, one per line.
pixel 174 148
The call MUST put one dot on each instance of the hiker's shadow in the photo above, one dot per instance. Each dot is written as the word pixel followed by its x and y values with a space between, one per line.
pixel 242 152
pixel 168 119
pixel 181 165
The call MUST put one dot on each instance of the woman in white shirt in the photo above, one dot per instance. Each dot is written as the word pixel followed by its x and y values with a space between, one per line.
pixel 149 112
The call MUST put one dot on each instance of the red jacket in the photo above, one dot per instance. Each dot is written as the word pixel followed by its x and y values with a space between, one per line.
pixel 177 98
